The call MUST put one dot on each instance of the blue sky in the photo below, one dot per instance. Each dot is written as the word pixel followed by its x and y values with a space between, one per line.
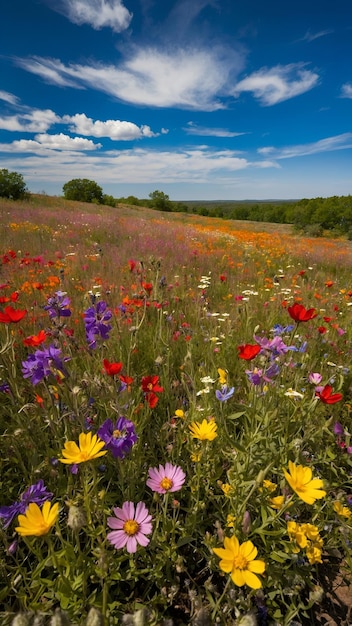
pixel 202 99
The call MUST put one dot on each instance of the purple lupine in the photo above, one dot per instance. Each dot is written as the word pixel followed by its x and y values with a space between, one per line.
pixel 57 305
pixel 37 493
pixel 119 437
pixel 258 376
pixel 96 320
pixel 39 365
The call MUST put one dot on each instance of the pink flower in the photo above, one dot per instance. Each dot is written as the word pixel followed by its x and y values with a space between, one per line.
pixel 165 479
pixel 131 525
pixel 315 378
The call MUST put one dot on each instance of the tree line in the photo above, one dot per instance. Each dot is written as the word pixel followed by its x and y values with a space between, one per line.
pixel 312 216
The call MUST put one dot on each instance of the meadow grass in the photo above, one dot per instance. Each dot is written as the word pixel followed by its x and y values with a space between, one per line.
pixel 226 348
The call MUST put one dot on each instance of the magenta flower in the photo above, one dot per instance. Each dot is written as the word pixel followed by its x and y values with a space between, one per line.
pixel 130 526
pixel 315 378
pixel 165 479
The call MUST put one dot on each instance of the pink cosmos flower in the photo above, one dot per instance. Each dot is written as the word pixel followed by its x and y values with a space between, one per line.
pixel 130 526
pixel 165 479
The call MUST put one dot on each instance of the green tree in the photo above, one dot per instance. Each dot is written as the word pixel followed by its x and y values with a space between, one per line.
pixel 12 185
pixel 160 200
pixel 83 190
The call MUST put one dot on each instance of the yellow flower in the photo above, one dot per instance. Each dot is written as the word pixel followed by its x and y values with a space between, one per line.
pixel 196 457
pixel 36 522
pixel 205 431
pixel 226 488
pixel 313 553
pixel 239 561
pixel 179 413
pixel 344 511
pixel 90 447
pixel 301 481
pixel 297 535
pixel 267 484
pixel 230 521
pixel 222 376
pixel 277 502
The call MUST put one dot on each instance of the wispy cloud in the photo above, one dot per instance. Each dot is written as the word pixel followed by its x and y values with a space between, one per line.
pixel 312 36
pixel 187 78
pixel 346 90
pixel 194 129
pixel 43 143
pixel 114 129
pixel 8 97
pixel 97 13
pixel 338 142
pixel 279 83
pixel 133 166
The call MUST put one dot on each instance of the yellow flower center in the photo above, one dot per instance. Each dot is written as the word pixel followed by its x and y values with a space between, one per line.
pixel 116 434
pixel 150 387
pixel 240 562
pixel 166 483
pixel 131 527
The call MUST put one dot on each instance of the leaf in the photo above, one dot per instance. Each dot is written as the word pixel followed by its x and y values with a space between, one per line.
pixel 236 416
pixel 184 541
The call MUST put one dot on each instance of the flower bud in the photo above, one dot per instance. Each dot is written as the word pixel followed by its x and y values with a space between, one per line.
pixel 94 618
pixel 246 522
pixel 76 517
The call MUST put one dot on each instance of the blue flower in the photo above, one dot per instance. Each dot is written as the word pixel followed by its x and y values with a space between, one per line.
pixel 37 493
pixel 225 393
pixel 96 320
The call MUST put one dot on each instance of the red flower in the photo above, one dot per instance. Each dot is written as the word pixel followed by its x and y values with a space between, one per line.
pixel 322 330
pixel 300 314
pixel 112 368
pixel 223 278
pixel 148 287
pixel 248 351
pixel 11 315
pixel 35 340
pixel 327 396
pixel 132 264
pixel 152 399
pixel 150 383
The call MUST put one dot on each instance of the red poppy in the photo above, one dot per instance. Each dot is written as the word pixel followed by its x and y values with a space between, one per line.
pixel 300 314
pixel 128 380
pixel 112 368
pixel 322 330
pixel 35 340
pixel 223 278
pixel 248 351
pixel 11 315
pixel 329 283
pixel 152 399
pixel 148 287
pixel 150 383
pixel 132 264
pixel 327 396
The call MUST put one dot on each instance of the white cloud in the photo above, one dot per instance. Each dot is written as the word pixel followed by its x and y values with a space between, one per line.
pixel 44 143
pixel 277 84
pixel 312 36
pixel 346 90
pixel 338 142
pixel 114 129
pixel 186 78
pixel 8 97
pixel 97 13
pixel 194 129
pixel 133 166
pixel 34 121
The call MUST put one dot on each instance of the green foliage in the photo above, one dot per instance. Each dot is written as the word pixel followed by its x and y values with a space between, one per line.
pixel 160 200
pixel 108 200
pixel 83 190
pixel 12 185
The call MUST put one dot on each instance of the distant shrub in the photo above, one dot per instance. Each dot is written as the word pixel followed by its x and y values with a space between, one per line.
pixel 83 190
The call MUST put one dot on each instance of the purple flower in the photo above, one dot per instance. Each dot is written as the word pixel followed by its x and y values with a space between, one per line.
pixel 57 305
pixel 278 329
pixel 39 365
pixel 166 479
pixel 259 376
pixel 37 493
pixel 5 387
pixel 130 526
pixel 96 320
pixel 119 437
pixel 338 429
pixel 276 346
pixel 224 393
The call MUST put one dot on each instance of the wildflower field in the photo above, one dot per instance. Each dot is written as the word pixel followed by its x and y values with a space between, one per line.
pixel 175 408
